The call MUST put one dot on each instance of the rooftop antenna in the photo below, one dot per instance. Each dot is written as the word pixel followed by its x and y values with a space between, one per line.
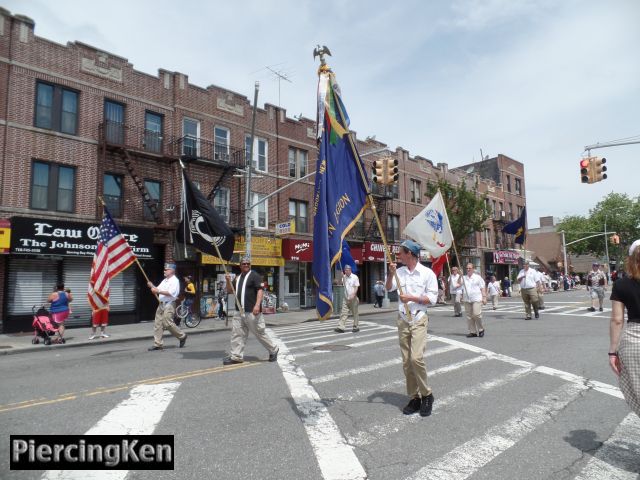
pixel 281 76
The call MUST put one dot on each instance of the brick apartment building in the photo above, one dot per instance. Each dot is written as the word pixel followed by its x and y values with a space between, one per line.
pixel 77 123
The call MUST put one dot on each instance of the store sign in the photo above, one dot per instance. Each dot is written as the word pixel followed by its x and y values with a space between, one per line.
pixel 35 236
pixel 300 250
pixel 285 228
pixel 374 252
pixel 505 256
pixel 260 246
pixel 5 235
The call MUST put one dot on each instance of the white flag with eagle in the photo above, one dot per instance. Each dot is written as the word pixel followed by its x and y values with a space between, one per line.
pixel 431 228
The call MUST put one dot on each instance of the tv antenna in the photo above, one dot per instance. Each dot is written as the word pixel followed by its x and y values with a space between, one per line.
pixel 281 76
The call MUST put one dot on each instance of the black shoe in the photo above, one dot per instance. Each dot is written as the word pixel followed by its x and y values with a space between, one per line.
pixel 412 407
pixel 540 308
pixel 230 361
pixel 527 318
pixel 338 330
pixel 471 335
pixel 537 315
pixel 601 309
pixel 274 356
pixel 481 333
pixel 426 405
pixel 154 348
pixel 355 330
pixel 183 340
pixel 591 309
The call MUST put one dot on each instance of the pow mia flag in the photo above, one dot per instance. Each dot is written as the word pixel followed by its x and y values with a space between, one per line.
pixel 201 225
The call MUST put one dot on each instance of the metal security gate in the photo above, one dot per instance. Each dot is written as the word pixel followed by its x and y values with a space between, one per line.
pixel 30 283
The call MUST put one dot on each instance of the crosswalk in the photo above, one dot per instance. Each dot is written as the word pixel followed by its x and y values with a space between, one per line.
pixel 551 308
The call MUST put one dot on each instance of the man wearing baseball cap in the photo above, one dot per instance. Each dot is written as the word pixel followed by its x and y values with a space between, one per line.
pixel 419 287
pixel 167 293
pixel 596 285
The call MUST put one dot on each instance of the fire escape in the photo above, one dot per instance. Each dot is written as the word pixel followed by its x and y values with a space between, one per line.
pixel 383 196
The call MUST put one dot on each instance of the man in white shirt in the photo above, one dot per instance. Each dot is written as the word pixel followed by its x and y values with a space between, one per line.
pixel 456 291
pixel 474 295
pixel 350 302
pixel 167 293
pixel 419 287
pixel 541 288
pixel 528 279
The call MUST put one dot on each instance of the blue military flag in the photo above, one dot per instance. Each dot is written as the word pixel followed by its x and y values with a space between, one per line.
pixel 340 195
pixel 518 227
pixel 347 259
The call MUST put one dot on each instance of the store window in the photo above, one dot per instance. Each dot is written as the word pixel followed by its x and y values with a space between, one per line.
pixel 291 279
pixel 52 187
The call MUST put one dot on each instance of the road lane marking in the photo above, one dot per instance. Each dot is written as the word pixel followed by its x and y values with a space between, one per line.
pixel 466 459
pixel 363 334
pixel 352 345
pixel 139 414
pixel 617 458
pixel 336 458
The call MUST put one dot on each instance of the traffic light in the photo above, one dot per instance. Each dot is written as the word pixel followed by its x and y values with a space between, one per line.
pixel 585 170
pixel 598 169
pixel 378 172
pixel 392 170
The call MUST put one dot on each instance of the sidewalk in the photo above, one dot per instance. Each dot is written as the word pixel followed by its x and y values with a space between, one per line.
pixel 13 343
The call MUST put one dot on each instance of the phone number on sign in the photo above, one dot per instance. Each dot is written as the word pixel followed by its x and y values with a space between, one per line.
pixel 27 250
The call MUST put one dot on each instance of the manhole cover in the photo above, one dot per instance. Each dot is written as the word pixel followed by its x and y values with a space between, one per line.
pixel 331 348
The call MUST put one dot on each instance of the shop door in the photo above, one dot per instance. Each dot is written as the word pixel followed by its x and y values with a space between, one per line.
pixel 302 284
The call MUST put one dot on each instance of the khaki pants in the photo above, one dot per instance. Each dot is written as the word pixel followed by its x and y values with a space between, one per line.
pixel 349 306
pixel 457 304
pixel 530 298
pixel 540 299
pixel 474 316
pixel 494 301
pixel 413 343
pixel 240 327
pixel 164 321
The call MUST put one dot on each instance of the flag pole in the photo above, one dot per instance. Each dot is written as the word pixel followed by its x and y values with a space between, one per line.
pixel 356 157
pixel 453 243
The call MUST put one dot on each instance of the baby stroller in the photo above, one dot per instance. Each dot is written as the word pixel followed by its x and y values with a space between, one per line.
pixel 43 326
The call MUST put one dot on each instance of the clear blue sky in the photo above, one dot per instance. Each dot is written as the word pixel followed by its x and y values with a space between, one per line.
pixel 536 80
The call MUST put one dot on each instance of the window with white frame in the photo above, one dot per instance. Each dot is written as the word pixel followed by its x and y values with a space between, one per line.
pixel 221 137
pixel 260 154
pixel 260 211
pixel 416 191
pixel 191 137
pixel 221 203
pixel 297 162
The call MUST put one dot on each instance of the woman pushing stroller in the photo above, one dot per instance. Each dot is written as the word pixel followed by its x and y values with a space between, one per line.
pixel 60 299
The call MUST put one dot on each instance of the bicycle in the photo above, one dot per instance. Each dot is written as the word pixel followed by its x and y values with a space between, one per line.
pixel 184 312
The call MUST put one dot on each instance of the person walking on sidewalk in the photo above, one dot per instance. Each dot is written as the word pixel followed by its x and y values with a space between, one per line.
pixel 455 290
pixel 167 292
pixel 350 302
pixel 378 289
pixel 474 296
pixel 494 291
pixel 249 290
pixel 596 285
pixel 419 289
pixel 528 279
pixel 60 308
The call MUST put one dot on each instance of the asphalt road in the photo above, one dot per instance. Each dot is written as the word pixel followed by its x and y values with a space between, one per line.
pixel 531 400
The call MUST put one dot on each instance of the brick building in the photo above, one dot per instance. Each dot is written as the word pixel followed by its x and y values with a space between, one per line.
pixel 78 123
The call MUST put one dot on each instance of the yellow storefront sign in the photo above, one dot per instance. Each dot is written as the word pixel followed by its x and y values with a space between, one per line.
pixel 265 252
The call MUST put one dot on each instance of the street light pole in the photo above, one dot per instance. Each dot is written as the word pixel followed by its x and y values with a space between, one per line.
pixel 606 245
pixel 564 252
pixel 248 210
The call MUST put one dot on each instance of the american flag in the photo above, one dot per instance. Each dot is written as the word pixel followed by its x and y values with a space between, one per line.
pixel 112 256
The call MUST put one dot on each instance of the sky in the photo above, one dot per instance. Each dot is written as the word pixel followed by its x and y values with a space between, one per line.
pixel 536 80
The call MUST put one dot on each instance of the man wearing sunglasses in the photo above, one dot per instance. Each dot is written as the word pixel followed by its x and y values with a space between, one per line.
pixel 167 293
pixel 248 287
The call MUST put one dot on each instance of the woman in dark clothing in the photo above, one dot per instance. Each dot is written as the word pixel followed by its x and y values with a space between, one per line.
pixel 624 347
pixel 59 300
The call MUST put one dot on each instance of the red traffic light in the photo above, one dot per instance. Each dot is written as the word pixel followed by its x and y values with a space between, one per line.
pixel 584 163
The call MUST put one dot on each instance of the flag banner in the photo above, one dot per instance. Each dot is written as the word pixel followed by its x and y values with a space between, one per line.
pixel 202 225
pixel 431 227
pixel 437 264
pixel 340 194
pixel 347 259
pixel 518 227
pixel 113 255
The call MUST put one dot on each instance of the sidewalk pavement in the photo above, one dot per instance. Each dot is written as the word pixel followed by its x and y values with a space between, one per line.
pixel 13 343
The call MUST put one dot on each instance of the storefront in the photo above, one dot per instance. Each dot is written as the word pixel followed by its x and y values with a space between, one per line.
pixel 501 262
pixel 44 252
pixel 297 286
pixel 374 262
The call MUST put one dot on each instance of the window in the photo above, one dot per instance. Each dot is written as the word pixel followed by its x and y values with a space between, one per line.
pixel 495 209
pixel 259 152
pixel 518 187
pixel 393 227
pixel 113 193
pixel 191 137
pixel 154 189
pixel 298 214
pixel 501 213
pixel 114 122
pixel 56 108
pixel 221 203
pixel 510 211
pixel 519 211
pixel 221 149
pixel 152 132
pixel 297 162
pixel 509 183
pixel 52 187
pixel 486 238
pixel 415 189
pixel 260 218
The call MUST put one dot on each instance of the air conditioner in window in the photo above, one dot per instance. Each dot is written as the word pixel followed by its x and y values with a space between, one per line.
pixel 503 213
pixel 221 156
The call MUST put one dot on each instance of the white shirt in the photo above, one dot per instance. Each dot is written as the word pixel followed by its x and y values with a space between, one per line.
pixel 351 284
pixel 472 291
pixel 528 278
pixel 171 285
pixel 422 281
pixel 494 288
pixel 453 284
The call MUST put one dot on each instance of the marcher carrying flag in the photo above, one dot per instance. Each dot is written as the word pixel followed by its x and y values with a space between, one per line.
pixel 518 228
pixel 201 225
pixel 431 227
pixel 340 195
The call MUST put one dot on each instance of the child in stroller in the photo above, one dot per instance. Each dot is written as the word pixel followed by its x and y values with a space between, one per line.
pixel 43 327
